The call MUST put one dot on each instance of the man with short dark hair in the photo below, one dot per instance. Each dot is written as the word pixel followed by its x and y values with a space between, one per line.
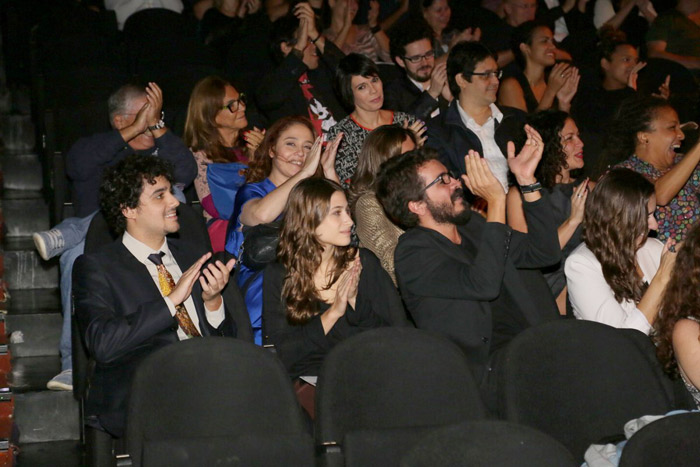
pixel 144 291
pixel 456 271
pixel 422 90
pixel 473 121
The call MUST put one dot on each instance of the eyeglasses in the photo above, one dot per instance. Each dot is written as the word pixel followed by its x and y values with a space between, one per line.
pixel 235 104
pixel 445 178
pixel 487 74
pixel 417 58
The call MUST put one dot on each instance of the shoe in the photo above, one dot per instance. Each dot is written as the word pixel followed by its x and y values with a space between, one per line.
pixel 49 243
pixel 62 381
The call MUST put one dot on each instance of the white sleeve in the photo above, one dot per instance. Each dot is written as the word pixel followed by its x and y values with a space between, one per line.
pixel 592 298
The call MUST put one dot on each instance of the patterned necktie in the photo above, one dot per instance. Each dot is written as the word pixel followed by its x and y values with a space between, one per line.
pixel 167 284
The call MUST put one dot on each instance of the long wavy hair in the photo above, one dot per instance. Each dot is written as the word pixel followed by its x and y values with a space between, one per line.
pixel 681 299
pixel 615 217
pixel 260 165
pixel 549 124
pixel 633 116
pixel 201 129
pixel 300 250
pixel 382 143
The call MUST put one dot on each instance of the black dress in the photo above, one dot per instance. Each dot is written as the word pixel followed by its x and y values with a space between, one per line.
pixel 302 348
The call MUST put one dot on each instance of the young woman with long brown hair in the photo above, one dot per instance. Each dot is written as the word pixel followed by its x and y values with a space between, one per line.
pixel 617 276
pixel 323 290
pixel 677 331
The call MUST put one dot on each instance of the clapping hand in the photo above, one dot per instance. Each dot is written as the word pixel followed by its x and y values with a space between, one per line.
pixel 328 158
pixel 523 166
pixel 480 180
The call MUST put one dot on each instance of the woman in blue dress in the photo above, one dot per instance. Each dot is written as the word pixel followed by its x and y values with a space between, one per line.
pixel 290 152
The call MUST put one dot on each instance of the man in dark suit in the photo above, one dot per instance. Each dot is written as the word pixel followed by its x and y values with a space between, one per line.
pixel 456 271
pixel 144 291
pixel 422 90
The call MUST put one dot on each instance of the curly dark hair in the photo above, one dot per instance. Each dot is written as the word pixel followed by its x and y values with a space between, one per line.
pixel 609 40
pixel 615 217
pixel 122 185
pixel 681 299
pixel 300 251
pixel 549 124
pixel 398 183
pixel 633 116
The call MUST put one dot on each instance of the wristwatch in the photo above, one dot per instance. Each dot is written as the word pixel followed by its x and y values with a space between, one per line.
pixel 160 124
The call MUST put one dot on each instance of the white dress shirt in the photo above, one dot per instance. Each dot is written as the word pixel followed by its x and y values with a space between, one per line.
pixel 487 135
pixel 141 253
pixel 593 299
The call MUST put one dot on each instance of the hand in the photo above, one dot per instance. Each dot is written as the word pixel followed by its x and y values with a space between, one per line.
pixel 373 13
pixel 578 202
pixel 480 180
pixel 523 166
pixel 418 128
pixel 141 121
pixel 313 158
pixel 664 89
pixel 304 12
pixel 154 97
pixel 250 7
pixel 468 35
pixel 557 76
pixel 581 4
pixel 301 34
pixel 328 158
pixel 213 280
pixel 347 287
pixel 438 80
pixel 668 259
pixel 568 5
pixel 253 138
pixel 568 91
pixel 351 12
pixel 632 79
pixel 183 288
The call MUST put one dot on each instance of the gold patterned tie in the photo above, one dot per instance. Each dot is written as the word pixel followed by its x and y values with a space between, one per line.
pixel 167 284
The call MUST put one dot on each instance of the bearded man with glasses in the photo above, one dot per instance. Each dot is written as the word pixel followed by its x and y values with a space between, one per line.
pixel 459 274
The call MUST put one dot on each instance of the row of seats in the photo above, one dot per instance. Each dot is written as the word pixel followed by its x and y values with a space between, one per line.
pixel 397 396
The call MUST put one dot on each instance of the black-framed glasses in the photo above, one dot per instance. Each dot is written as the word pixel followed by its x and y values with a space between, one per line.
pixel 234 104
pixel 418 58
pixel 487 74
pixel 445 178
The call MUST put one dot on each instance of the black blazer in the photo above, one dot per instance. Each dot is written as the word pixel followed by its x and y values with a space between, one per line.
pixel 448 135
pixel 303 347
pixel 403 95
pixel 123 318
pixel 449 290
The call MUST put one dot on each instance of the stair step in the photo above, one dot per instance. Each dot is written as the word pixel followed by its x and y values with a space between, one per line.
pixel 25 216
pixel 51 454
pixel 17 132
pixel 21 172
pixel 40 334
pixel 47 416
pixel 32 373
pixel 31 301
pixel 26 270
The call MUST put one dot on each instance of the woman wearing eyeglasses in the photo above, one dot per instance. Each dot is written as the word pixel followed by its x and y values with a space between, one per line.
pixel 528 90
pixel 360 88
pixel 215 118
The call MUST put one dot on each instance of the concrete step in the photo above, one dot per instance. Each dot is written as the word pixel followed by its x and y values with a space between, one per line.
pixel 25 216
pixel 26 270
pixel 17 132
pixel 47 416
pixel 32 301
pixel 32 373
pixel 51 454
pixel 34 335
pixel 21 172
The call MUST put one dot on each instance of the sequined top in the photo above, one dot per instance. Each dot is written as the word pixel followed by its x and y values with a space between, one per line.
pixel 682 211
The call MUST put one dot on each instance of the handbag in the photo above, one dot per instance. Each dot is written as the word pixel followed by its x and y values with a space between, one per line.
pixel 259 246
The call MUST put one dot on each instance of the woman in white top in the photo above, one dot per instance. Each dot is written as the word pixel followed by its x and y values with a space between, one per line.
pixel 617 276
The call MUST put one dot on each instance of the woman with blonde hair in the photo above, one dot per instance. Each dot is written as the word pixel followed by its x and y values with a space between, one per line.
pixel 215 118
pixel 323 290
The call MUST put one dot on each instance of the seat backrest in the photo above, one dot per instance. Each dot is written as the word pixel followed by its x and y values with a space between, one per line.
pixel 579 381
pixel 393 379
pixel 488 442
pixel 210 387
pixel 672 440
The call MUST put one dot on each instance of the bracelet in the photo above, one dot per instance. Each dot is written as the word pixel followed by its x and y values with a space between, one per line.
pixel 160 124
pixel 313 41
pixel 375 29
pixel 524 189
